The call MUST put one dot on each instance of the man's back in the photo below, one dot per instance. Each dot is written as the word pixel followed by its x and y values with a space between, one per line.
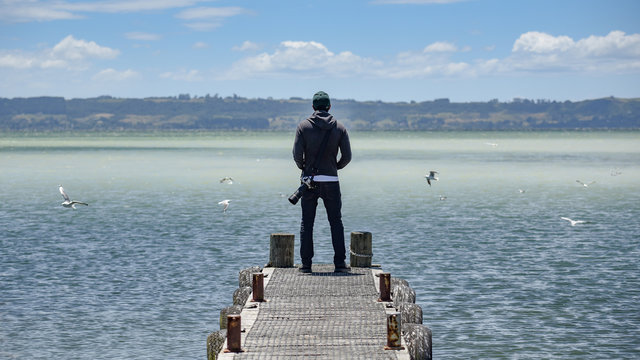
pixel 309 136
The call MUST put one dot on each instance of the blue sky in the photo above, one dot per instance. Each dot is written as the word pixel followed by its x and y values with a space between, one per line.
pixel 389 50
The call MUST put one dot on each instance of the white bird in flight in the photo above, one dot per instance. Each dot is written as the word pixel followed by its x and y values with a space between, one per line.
pixel 573 222
pixel 225 203
pixel 585 184
pixel 431 176
pixel 68 202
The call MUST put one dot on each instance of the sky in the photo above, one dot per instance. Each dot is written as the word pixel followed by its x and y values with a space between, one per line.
pixel 366 50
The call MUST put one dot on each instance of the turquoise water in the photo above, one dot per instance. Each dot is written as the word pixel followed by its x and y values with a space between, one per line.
pixel 144 270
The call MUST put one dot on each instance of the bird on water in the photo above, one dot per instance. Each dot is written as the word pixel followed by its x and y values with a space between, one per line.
pixel 573 222
pixel 585 184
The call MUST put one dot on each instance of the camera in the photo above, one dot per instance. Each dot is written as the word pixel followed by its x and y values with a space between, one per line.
pixel 306 183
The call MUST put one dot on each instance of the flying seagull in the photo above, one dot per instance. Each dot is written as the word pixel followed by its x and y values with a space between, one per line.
pixel 573 222
pixel 585 184
pixel 227 180
pixel 225 203
pixel 431 176
pixel 67 202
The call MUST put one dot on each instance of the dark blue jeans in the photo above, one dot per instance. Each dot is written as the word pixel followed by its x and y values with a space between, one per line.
pixel 329 192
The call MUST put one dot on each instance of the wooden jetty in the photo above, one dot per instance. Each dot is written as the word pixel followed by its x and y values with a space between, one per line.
pixel 281 313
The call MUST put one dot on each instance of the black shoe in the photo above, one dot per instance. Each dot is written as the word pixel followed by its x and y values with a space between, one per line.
pixel 306 269
pixel 342 268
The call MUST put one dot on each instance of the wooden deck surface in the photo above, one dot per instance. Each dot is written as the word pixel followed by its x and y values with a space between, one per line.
pixel 322 315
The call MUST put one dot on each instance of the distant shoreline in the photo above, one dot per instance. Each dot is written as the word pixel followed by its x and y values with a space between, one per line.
pixel 205 133
pixel 108 114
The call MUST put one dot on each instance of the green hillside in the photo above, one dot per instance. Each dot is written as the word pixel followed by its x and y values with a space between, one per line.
pixel 237 113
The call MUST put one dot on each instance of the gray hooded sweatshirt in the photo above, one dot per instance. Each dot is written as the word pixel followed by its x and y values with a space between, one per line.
pixel 306 145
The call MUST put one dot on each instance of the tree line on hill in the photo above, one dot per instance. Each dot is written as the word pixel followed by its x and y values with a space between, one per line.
pixel 184 112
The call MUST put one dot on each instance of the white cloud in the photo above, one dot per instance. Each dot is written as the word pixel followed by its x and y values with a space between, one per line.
pixel 37 10
pixel 124 6
pixel 616 43
pixel 73 49
pixel 70 53
pixel 200 45
pixel 441 46
pixel 115 75
pixel 197 18
pixel 538 51
pixel 57 64
pixel 435 60
pixel 615 52
pixel 303 58
pixel 456 68
pixel 142 36
pixel 16 61
pixel 416 1
pixel 209 13
pixel 538 42
pixel 183 75
pixel 30 10
pixel 208 18
pixel 313 59
pixel 420 65
pixel 246 46
pixel 203 26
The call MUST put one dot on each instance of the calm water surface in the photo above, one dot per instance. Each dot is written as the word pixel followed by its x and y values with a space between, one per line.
pixel 143 271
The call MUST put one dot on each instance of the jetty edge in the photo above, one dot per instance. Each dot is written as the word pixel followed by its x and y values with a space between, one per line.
pixel 278 312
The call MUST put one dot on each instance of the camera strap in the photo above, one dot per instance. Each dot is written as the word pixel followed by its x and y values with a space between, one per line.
pixel 320 154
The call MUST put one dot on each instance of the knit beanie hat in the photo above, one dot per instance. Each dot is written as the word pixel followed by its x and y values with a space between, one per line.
pixel 321 101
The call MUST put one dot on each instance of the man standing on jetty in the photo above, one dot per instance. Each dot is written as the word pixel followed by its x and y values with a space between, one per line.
pixel 315 152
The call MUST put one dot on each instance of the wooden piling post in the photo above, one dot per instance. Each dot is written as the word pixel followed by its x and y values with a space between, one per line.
pixel 385 287
pixel 258 287
pixel 233 333
pixel 361 249
pixel 394 329
pixel 281 250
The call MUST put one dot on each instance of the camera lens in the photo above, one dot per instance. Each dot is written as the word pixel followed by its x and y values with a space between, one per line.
pixel 293 199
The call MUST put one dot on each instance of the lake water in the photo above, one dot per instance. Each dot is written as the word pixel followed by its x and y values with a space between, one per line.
pixel 143 271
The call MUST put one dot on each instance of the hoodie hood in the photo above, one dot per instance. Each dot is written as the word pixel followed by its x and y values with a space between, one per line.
pixel 322 120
